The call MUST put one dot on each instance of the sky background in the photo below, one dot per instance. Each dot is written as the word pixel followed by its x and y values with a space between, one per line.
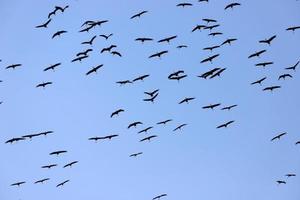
pixel 198 162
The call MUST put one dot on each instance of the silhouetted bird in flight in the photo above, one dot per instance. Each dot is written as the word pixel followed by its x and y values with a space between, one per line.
pixel 164 122
pixel 259 81
pixel 110 136
pixel 70 164
pixel 232 5
pixel 211 27
pixel 145 130
pixel 210 59
pixel 277 137
pixel 271 88
pixel 44 84
pixel 203 1
pixel 124 82
pixel 13 66
pixel 134 124
pixel 138 14
pixel 229 107
pixel 211 48
pixel 80 58
pixel 290 175
pixel 184 4
pixel 225 124
pixel 179 127
pixel 42 180
pixel 96 138
pixel 215 34
pixel 108 48
pixel 152 93
pixel 143 39
pixel 58 33
pixel 116 53
pixel 57 8
pixel 52 67
pixel 218 73
pixel 159 196
pixel 298 142
pixel 198 27
pixel 293 28
pixel 283 76
pixel 264 64
pixel 152 98
pixel 181 46
pixel 49 166
pixel 168 39
pixel 257 54
pixel 293 67
pixel 94 69
pixel 30 136
pixel 62 183
pixel 186 100
pixel 209 73
pixel 209 20
pixel 136 154
pixel 106 36
pixel 211 106
pixel 228 41
pixel 281 182
pixel 90 42
pixel 148 138
pixel 269 40
pixel 84 53
pixel 14 140
pixel 45 25
pixel 18 183
pixel 57 152
pixel 117 112
pixel 140 78
pixel 159 54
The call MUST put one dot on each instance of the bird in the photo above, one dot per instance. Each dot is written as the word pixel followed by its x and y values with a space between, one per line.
pixel 293 67
pixel 209 73
pixel 271 88
pixel 181 46
pixel 42 180
pixel 229 107
pixel 134 124
pixel 116 53
pixel 218 73
pixel 290 175
pixel 108 48
pixel 269 40
pixel 84 53
pixel 159 196
pixel 210 59
pixel 44 84
pixel 259 81
pixel 143 39
pixel 90 42
pixel 228 41
pixel 110 136
pixel 178 78
pixel 96 138
pixel 277 137
pixel 13 66
pixel 211 106
pixel 148 138
pixel 152 98
pixel 159 54
pixel 57 152
pixel 293 28
pixel 124 82
pixel 283 76
pixel 209 20
pixel 152 93
pixel 281 182
pixel 62 183
pixel 184 4
pixel 215 34
pixel 57 8
pixel 70 164
pixel 58 33
pixel 186 100
pixel 211 48
pixel 174 74
pixel 106 36
pixel 30 136
pixel 52 67
pixel 14 140
pixel 257 54
pixel 198 27
pixel 141 78
pixel 145 130
pixel 80 58
pixel 179 127
pixel 94 69
pixel 264 64
pixel 211 27
pixel 231 5
pixel 117 112
pixel 136 154
pixel 45 25
pixel 164 122
pixel 18 183
pixel 298 142
pixel 139 14
pixel 49 166
pixel 168 39
pixel 225 124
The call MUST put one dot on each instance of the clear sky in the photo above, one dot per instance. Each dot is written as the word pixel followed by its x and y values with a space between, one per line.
pixel 198 162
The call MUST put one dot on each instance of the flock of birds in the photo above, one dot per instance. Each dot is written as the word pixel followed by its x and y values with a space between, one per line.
pixel 151 96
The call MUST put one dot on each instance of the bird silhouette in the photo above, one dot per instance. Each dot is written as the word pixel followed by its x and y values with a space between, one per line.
pixel 259 81
pixel 293 67
pixel 211 27
pixel 281 182
pixel 215 34
pixel 58 33
pixel 139 14
pixel 117 112
pixel 277 137
pixel 181 46
pixel 44 84
pixel 13 66
pixel 108 48
pixel 210 59
pixel 52 67
pixel 14 140
pixel 257 54
pixel 90 42
pixel 80 58
pixel 94 69
pixel 228 41
pixel 145 130
pixel 136 154
pixel 116 53
pixel 57 152
pixel 211 48
pixel 209 73
pixel 141 78
pixel 152 93
pixel 218 73
pixel 148 138
pixel 293 28
pixel 283 76
pixel 198 27
pixel 124 82
pixel 106 36
pixel 18 183
pixel 41 180
pixel 290 175
pixel 225 125
pixel 187 100
pixel 271 88
pixel 229 107
pixel 264 64
pixel 209 20
pixel 269 40
pixel 159 196
pixel 84 53
pixel 62 183
pixel 179 127
pixel 232 5
pixel 184 4
pixel 164 122
pixel 30 136
pixel 45 25
pixel 57 8
pixel 134 124
pixel 49 166
pixel 152 98
pixel 211 106
pixel 143 39
pixel 168 39
pixel 45 133
pixel 70 164
pixel 159 54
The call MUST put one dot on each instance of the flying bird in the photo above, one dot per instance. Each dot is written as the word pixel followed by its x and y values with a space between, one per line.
pixel 44 84
pixel 259 81
pixel 184 4
pixel 159 196
pixel 271 88
pixel 14 140
pixel 70 164
pixel 211 106
pixel 136 154
pixel 84 53
pixel 269 40
pixel 45 25
pixel 283 76
pixel 225 124
pixel 117 112
pixel 228 41
pixel 264 64
pixel 198 27
pixel 49 166
pixel 108 48
pixel 277 137
pixel 138 14
pixel 80 58
pixel 52 67
pixel 146 129
pixel 168 39
pixel 57 152
pixel 164 122
pixel 143 39
pixel 152 93
pixel 229 107
pixel 141 78
pixel 94 69
pixel 106 36
pixel 116 53
pixel 293 28
pixel 186 100
pixel 90 42
pixel 134 124
pixel 18 183
pixel 148 138
pixel 293 67
pixel 281 182
pixel 13 66
pixel 62 183
pixel 179 127
pixel 232 5
pixel 152 98
pixel 257 54
pixel 159 54
pixel 42 180
pixel 58 33
pixel 210 59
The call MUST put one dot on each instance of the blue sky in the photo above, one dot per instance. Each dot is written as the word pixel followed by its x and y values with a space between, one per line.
pixel 200 161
